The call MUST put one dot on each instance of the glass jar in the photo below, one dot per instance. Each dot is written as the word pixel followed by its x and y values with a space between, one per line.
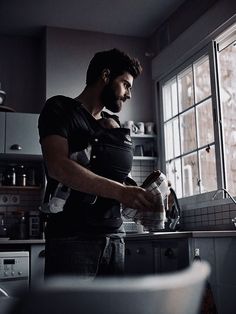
pixel 21 176
pixel 9 176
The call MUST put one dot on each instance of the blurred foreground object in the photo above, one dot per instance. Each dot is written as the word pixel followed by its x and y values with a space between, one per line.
pixel 179 292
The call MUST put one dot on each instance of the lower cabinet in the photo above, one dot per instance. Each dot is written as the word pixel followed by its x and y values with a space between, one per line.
pixel 220 253
pixel 37 259
pixel 157 256
pixel 139 258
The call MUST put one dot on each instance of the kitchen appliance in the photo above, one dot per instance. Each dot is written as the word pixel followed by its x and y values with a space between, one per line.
pixel 14 273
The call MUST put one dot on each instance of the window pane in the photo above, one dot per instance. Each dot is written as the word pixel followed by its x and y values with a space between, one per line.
pixel 174 97
pixel 202 79
pixel 174 175
pixel 167 102
pixel 188 131
pixel 172 141
pixel 205 123
pixel 190 175
pixel 208 169
pixel 176 137
pixel 170 99
pixel 227 68
pixel 185 89
pixel 169 148
pixel 178 178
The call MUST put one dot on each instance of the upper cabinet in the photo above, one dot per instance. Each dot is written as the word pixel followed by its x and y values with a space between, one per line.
pixel 20 133
pixel 2 131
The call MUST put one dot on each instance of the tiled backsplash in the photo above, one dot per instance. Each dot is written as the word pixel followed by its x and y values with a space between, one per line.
pixel 141 169
pixel 10 215
pixel 216 217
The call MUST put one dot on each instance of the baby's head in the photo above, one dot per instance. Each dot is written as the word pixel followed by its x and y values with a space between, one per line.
pixel 108 123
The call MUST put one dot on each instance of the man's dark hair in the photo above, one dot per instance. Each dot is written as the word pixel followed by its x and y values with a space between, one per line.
pixel 116 61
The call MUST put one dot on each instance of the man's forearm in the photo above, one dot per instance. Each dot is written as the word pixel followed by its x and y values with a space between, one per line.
pixel 77 177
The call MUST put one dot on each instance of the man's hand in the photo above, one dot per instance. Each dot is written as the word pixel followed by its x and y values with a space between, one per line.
pixel 137 198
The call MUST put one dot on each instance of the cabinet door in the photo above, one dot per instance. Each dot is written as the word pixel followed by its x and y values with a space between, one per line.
pixel 37 260
pixel 170 255
pixel 2 132
pixel 138 258
pixel 22 134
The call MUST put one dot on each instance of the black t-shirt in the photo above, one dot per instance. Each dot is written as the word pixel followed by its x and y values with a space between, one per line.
pixel 66 117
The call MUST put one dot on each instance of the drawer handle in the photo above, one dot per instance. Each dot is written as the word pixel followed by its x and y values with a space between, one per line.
pixel 42 253
pixel 141 251
pixel 16 147
pixel 169 253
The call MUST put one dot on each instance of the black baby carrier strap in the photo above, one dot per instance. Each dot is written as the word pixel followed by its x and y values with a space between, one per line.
pixel 111 157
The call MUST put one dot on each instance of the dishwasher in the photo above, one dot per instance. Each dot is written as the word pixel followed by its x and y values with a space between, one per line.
pixel 14 273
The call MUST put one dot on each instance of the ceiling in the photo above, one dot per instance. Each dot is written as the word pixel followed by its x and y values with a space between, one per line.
pixel 122 17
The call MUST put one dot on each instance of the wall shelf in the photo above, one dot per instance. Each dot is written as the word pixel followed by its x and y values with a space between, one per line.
pixel 143 136
pixel 144 158
pixel 8 187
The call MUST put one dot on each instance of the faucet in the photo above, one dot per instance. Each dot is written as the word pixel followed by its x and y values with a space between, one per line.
pixel 222 189
pixel 230 196
pixel 174 213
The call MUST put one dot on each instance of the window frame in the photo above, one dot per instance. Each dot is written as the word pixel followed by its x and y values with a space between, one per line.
pixel 210 50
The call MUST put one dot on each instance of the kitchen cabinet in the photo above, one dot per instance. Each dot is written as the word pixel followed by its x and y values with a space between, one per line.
pixel 139 258
pixel 2 132
pixel 221 255
pixel 149 257
pixel 37 260
pixel 20 134
pixel 170 255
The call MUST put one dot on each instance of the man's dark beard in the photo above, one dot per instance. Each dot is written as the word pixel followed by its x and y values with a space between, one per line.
pixel 109 99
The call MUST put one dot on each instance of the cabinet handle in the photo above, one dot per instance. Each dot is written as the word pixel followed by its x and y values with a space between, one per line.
pixel 16 147
pixel 127 252
pixel 42 253
pixel 141 251
pixel 169 253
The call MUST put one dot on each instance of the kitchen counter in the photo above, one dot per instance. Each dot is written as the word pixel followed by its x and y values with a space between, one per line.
pixel 28 241
pixel 153 236
pixel 183 234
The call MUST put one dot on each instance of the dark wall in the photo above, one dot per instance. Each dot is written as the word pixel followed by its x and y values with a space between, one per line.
pixel 178 22
pixel 22 72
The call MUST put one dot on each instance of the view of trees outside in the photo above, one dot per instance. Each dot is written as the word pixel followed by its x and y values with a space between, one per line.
pixel 227 79
pixel 189 132
pixel 190 152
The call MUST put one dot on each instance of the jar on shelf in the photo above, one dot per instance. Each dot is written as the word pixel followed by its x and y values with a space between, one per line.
pixel 9 176
pixel 21 176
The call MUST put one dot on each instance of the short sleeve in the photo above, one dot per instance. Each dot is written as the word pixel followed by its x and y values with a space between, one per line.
pixel 53 119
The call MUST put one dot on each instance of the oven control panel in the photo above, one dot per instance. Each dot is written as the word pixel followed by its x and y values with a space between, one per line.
pixel 14 265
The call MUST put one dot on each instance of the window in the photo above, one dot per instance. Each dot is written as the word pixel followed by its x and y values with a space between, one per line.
pixel 191 96
pixel 226 57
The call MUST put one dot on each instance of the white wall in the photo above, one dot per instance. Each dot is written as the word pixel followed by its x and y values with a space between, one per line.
pixel 68 53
